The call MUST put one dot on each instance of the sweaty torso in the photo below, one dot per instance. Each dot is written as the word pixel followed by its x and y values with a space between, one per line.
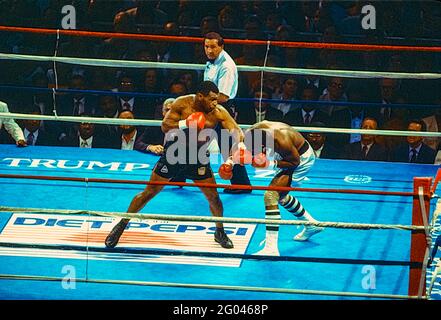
pixel 212 118
pixel 287 141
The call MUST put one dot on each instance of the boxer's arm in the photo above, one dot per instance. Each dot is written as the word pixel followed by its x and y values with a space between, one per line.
pixel 172 118
pixel 290 157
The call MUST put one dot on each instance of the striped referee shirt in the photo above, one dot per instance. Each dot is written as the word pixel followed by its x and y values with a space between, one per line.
pixel 223 72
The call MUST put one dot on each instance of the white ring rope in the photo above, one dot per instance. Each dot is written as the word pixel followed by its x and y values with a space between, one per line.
pixel 190 66
pixel 54 93
pixel 427 229
pixel 157 123
pixel 214 287
pixel 148 216
pixel 268 47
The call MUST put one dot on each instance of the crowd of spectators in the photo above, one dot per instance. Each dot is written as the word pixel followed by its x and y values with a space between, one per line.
pixel 373 100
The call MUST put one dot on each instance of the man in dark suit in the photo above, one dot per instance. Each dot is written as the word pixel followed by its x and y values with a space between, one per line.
pixel 415 150
pixel 251 115
pixel 137 105
pixel 77 103
pixel 87 136
pixel 350 118
pixel 308 113
pixel 34 133
pixel 366 149
pixel 74 105
pixel 318 142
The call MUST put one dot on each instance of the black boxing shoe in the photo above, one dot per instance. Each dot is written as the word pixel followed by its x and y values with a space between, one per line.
pixel 114 235
pixel 221 237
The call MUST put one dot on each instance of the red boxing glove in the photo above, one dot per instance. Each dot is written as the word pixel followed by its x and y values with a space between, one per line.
pixel 195 120
pixel 260 161
pixel 226 170
pixel 242 157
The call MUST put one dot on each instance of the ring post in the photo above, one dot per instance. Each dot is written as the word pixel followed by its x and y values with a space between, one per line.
pixel 418 243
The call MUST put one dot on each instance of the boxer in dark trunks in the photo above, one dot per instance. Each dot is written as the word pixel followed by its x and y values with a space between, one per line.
pixel 191 112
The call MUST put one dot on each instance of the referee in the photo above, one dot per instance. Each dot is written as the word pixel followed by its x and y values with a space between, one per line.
pixel 222 70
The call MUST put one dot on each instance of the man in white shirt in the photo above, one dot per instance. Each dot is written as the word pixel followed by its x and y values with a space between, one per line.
pixel 130 138
pixel 12 127
pixel 222 71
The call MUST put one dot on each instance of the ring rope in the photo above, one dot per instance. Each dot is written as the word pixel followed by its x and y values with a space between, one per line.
pixel 209 185
pixel 227 255
pixel 151 216
pixel 138 122
pixel 212 287
pixel 288 44
pixel 427 231
pixel 190 66
pixel 424 216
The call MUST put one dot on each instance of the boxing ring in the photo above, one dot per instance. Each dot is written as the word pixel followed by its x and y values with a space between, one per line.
pixel 57 205
pixel 168 259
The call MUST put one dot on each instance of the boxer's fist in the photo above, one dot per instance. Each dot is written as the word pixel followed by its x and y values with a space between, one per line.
pixel 260 161
pixel 226 170
pixel 195 120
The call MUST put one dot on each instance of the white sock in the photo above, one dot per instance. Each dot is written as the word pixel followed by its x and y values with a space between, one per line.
pixel 271 239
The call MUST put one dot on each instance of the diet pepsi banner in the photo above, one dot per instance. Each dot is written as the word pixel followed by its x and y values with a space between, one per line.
pixel 63 230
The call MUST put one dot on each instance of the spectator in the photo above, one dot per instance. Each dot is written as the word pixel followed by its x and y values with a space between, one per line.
pixel 315 80
pixel 34 133
pixel 177 88
pixel 335 92
pixel 289 92
pixel 153 135
pixel 433 124
pixel 414 150
pixel 228 19
pixel 85 136
pixel 308 112
pixel 260 110
pixel 190 79
pixel 77 103
pixel 309 9
pixel 388 93
pixel 171 51
pixel 12 127
pixel 109 109
pixel 131 138
pixel 130 102
pixel 317 140
pixel 366 149
pixel 209 24
pixel 254 28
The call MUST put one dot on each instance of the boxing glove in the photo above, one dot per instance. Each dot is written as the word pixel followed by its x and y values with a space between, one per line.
pixel 195 120
pixel 260 161
pixel 226 170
